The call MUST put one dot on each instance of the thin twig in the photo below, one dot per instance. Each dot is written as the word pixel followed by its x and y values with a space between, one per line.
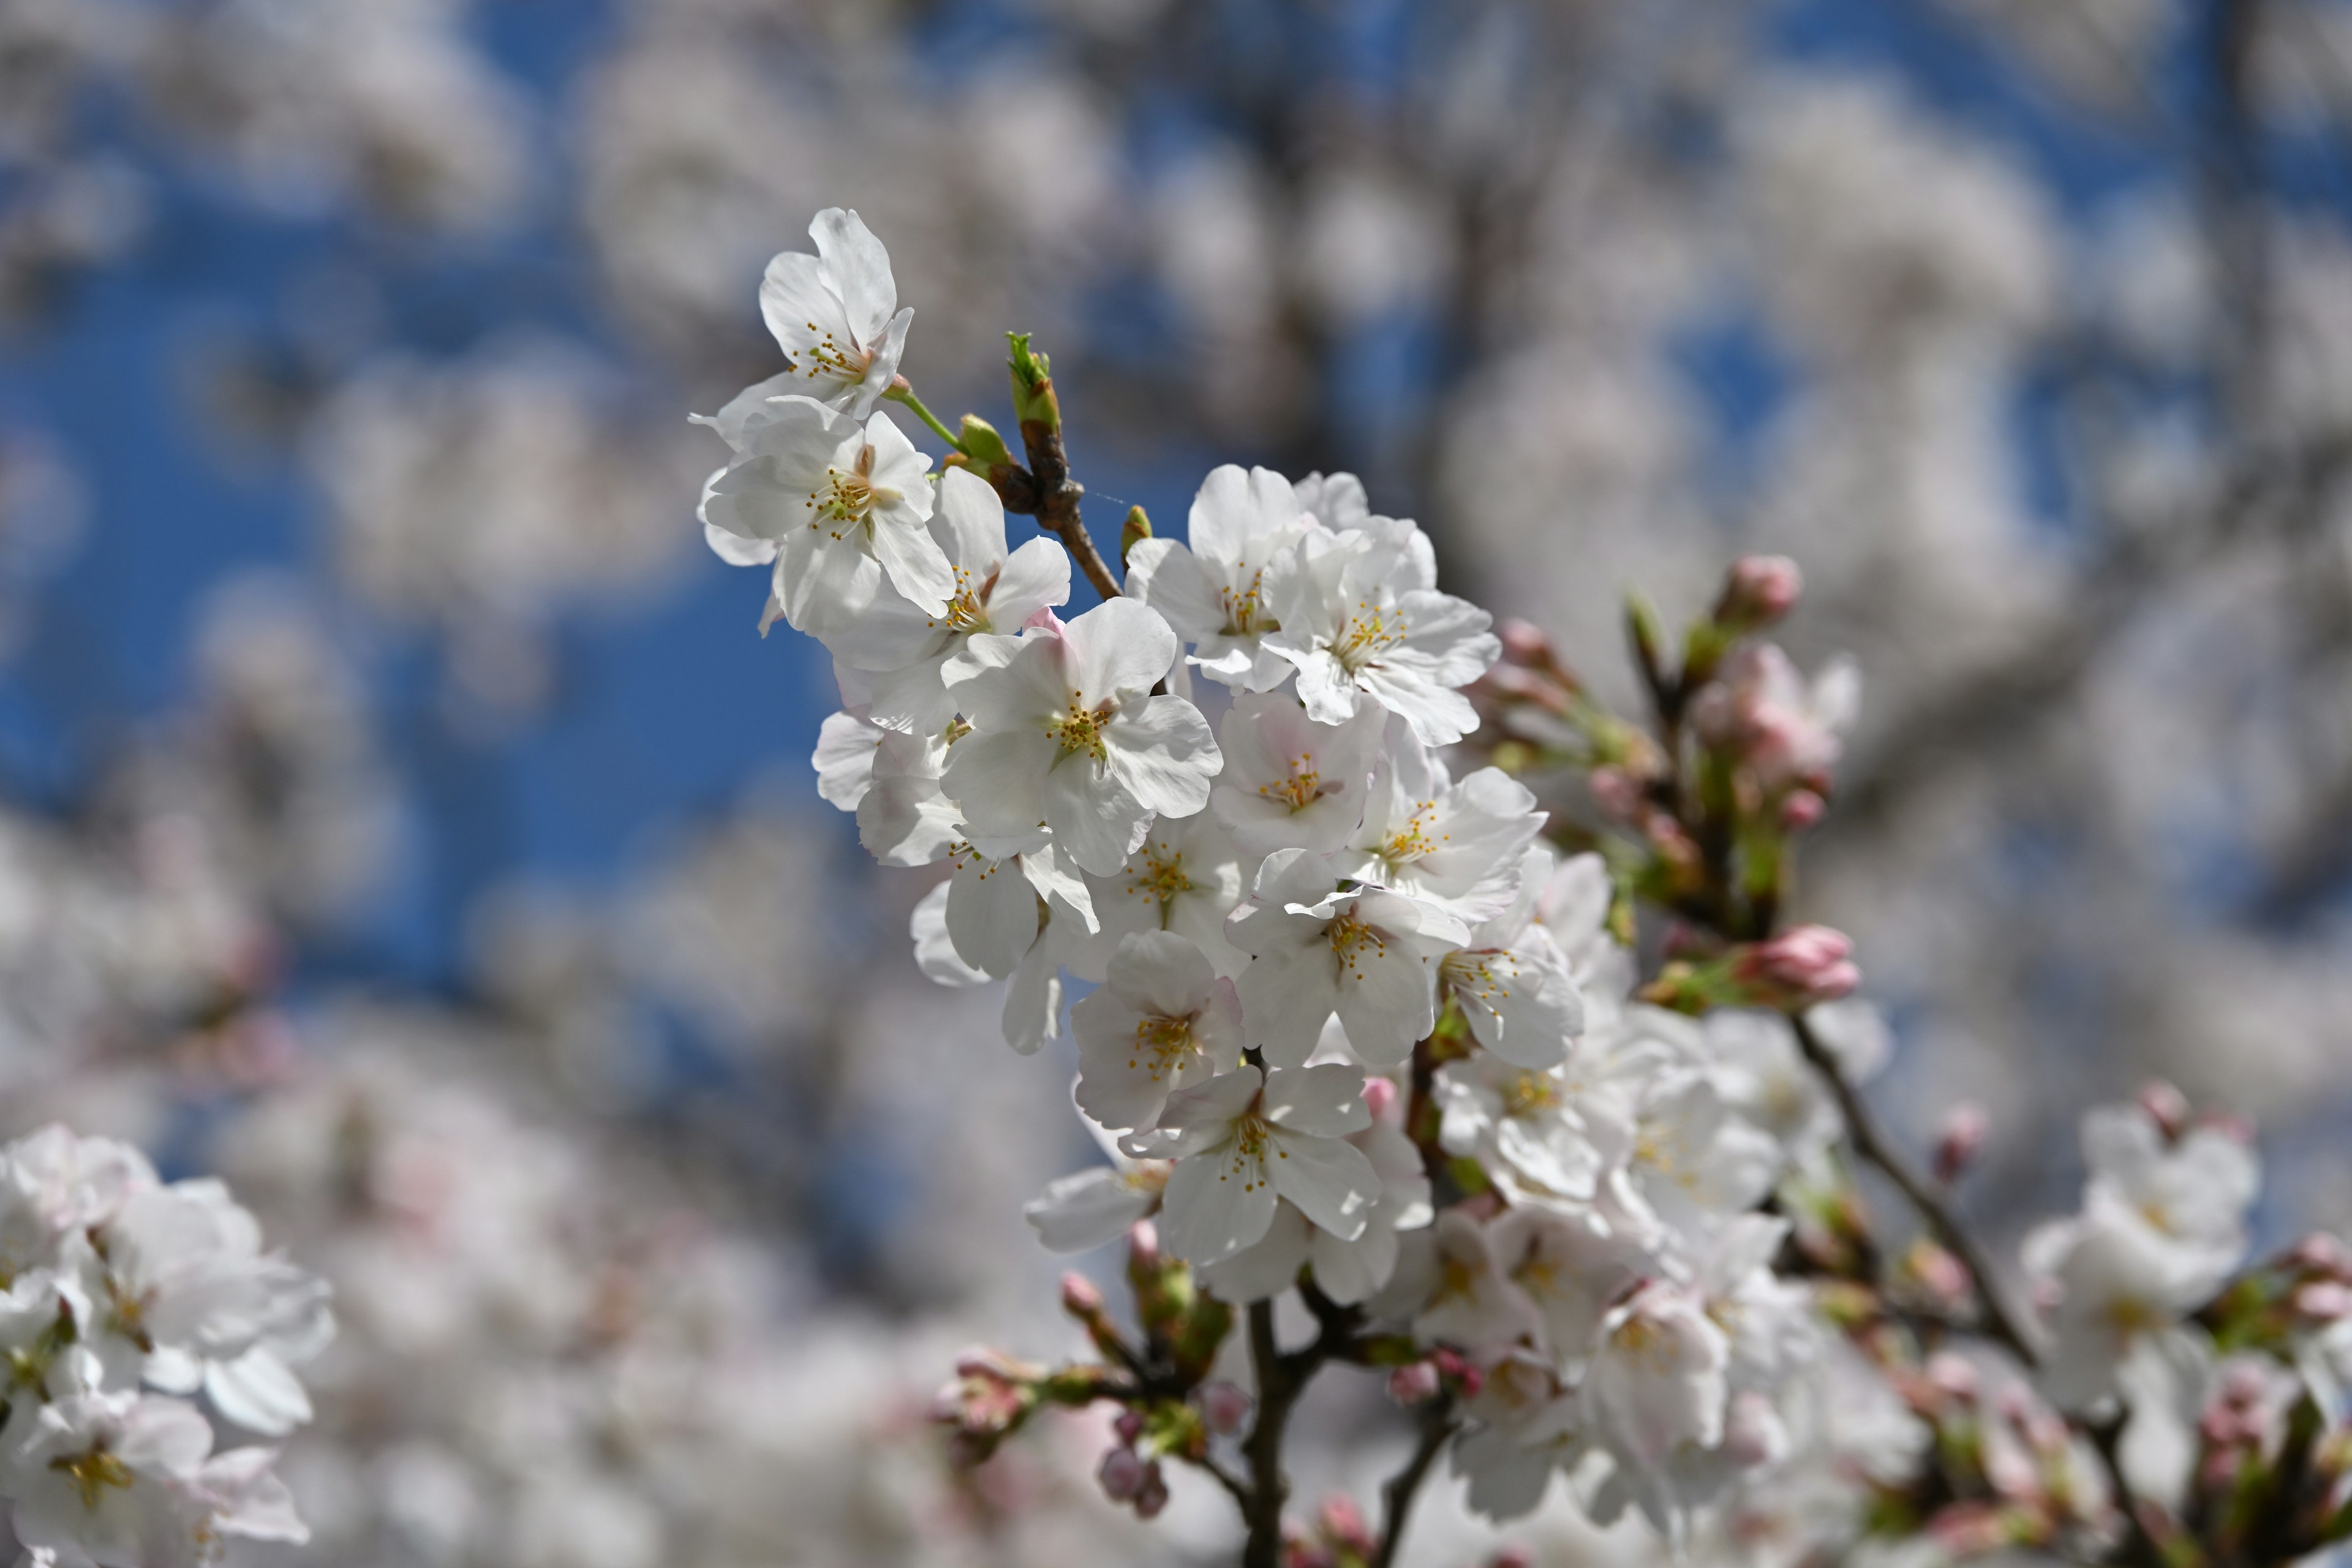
pixel 1871 1141
pixel 1437 1425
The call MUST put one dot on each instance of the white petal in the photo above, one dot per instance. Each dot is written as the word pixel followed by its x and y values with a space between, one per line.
pixel 1330 1180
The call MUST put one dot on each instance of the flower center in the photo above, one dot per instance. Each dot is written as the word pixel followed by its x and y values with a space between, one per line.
pixel 848 497
pixel 1371 631
pixel 1161 879
pixel 1163 1047
pixel 968 605
pixel 1302 789
pixel 1530 1092
pixel 92 1473
pixel 1412 841
pixel 1080 729
pixel 1247 1155
pixel 1352 941
pixel 828 357
pixel 1245 608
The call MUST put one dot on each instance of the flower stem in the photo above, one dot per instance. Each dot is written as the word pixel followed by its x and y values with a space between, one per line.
pixel 1277 1388
pixel 900 391
pixel 1870 1141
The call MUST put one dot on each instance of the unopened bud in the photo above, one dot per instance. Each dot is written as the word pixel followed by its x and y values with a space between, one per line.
pixel 2165 1106
pixel 1526 644
pixel 1758 591
pixel 1342 1523
pixel 1615 792
pixel 1813 961
pixel 1130 1425
pixel 1952 1376
pixel 1133 531
pixel 1465 1376
pixel 1223 1407
pixel 1415 1383
pixel 1752 1432
pixel 1152 1496
pixel 1143 1244
pixel 1380 1094
pixel 1079 1296
pixel 2323 1301
pixel 2322 1254
pixel 1121 1474
pixel 1801 810
pixel 1961 1141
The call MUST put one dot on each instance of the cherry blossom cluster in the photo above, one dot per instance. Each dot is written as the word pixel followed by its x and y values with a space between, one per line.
pixel 1548 1114
pixel 142 1325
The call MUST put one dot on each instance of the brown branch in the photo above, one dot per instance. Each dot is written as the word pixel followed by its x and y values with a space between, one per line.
pixel 1278 1390
pixel 1437 1425
pixel 1049 494
pixel 1870 1141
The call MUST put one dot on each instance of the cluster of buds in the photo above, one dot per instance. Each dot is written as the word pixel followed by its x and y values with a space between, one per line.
pixel 1441 1372
pixel 1340 1539
pixel 2278 1307
pixel 2009 1472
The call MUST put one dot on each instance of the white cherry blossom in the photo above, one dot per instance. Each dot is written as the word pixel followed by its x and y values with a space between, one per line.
pixel 840 509
pixel 1456 847
pixel 1369 956
pixel 1361 621
pixel 1087 1209
pixel 1163 1021
pixel 1658 1382
pixel 1186 877
pixel 1213 590
pixel 1471 1300
pixel 904 648
pixel 836 314
pixel 1511 983
pixel 1289 782
pixel 110 1479
pixel 1066 733
pixel 1243 1140
pixel 843 759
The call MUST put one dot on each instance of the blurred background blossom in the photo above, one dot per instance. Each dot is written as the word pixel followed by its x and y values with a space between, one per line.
pixel 399 815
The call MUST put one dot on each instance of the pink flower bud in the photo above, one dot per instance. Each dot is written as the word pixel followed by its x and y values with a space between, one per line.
pixel 1961 1141
pixel 1525 643
pixel 1079 1296
pixel 1811 964
pixel 1615 792
pixel 1758 591
pixel 1223 1407
pixel 1153 1494
pixel 1465 1376
pixel 1802 810
pixel 1143 1244
pixel 1121 1475
pixel 1952 1376
pixel 1415 1383
pixel 1342 1523
pixel 2322 1254
pixel 1380 1094
pixel 1941 1273
pixel 2165 1106
pixel 2323 1301
pixel 1130 1425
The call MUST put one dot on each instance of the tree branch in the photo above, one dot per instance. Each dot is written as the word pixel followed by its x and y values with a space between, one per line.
pixel 1870 1141
pixel 1437 1425
pixel 1277 1389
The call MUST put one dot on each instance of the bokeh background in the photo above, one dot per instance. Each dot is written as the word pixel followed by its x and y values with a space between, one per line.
pixel 399 813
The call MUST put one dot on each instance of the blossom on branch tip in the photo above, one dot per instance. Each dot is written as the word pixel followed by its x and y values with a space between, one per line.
pixel 836 314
